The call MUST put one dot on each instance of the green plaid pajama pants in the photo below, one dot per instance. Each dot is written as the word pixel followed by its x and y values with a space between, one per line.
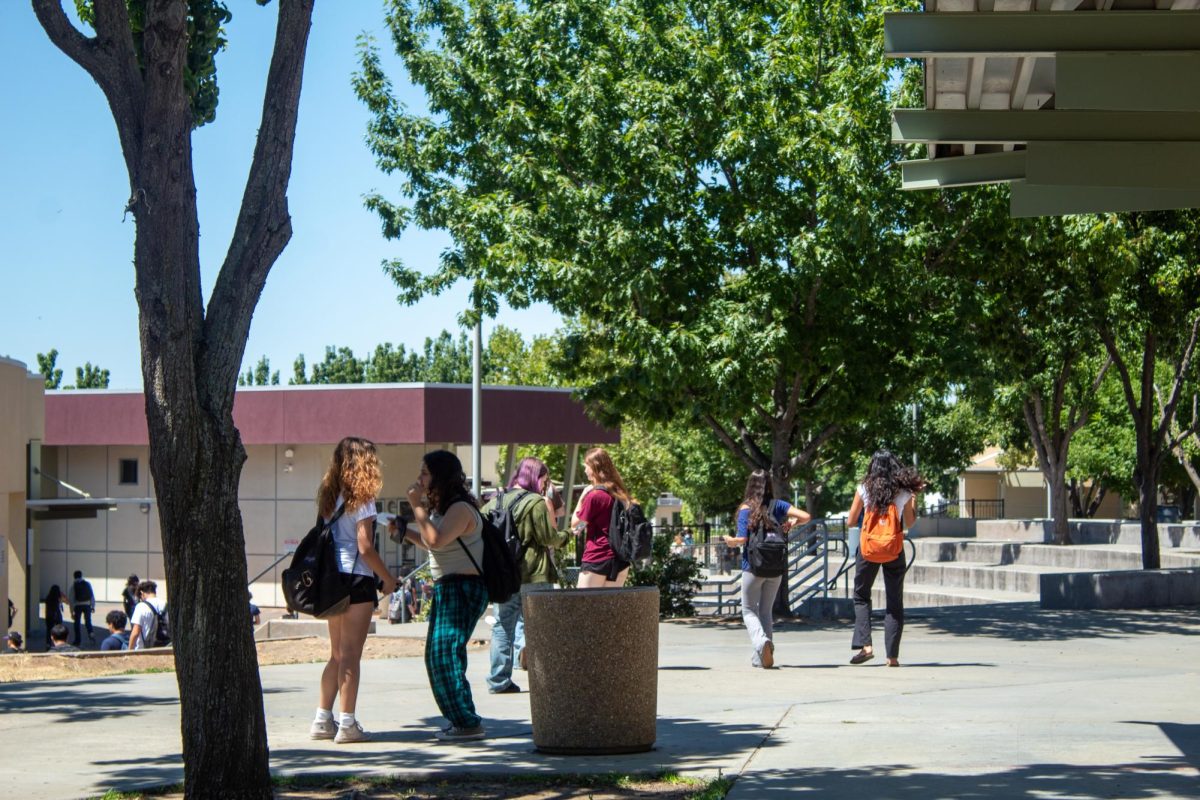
pixel 458 603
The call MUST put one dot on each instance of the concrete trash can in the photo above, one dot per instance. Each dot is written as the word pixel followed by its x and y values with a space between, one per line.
pixel 592 656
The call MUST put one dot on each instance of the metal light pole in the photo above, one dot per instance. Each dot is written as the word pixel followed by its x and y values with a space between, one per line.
pixel 477 408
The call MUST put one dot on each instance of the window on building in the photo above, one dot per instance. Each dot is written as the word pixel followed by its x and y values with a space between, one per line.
pixel 129 471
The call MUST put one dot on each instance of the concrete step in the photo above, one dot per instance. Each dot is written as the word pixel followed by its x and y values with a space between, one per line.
pixel 954 575
pixel 1068 558
pixel 930 596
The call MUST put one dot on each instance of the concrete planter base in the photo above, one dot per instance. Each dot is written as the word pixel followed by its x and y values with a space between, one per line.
pixel 592 656
pixel 1155 588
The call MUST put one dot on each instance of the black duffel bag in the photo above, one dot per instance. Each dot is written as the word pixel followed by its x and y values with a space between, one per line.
pixel 313 584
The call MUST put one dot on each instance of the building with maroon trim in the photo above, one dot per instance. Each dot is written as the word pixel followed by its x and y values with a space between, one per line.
pixel 96 442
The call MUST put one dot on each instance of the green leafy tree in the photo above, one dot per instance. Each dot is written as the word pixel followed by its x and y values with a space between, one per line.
pixel 89 377
pixel 1148 293
pixel 1103 453
pixel 154 61
pixel 390 364
pixel 340 366
pixel 703 187
pixel 46 366
pixel 260 375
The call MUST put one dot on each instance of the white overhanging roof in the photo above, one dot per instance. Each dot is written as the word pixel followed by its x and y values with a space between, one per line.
pixel 1081 105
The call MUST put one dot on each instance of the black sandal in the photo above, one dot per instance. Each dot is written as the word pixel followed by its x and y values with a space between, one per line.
pixel 861 657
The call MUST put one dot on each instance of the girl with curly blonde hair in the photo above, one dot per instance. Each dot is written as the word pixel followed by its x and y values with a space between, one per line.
pixel 346 498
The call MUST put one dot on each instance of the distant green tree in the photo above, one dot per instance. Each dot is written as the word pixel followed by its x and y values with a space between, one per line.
pixel 260 375
pixel 46 366
pixel 340 366
pixel 89 377
pixel 390 364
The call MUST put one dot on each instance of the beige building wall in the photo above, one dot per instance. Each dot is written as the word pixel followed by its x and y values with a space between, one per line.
pixel 23 414
pixel 1023 493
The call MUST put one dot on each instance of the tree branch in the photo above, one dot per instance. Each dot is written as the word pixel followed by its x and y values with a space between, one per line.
pixel 810 449
pixel 729 442
pixel 1182 367
pixel 264 225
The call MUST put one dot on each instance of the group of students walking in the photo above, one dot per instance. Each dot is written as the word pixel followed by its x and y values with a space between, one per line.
pixel 885 503
pixel 448 523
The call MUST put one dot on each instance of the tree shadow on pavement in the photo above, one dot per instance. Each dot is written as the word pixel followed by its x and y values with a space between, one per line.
pixel 93 699
pixel 1150 778
pixel 683 744
pixel 1024 622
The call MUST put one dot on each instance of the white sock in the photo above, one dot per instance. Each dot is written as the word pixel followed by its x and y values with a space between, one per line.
pixel 324 715
pixel 346 720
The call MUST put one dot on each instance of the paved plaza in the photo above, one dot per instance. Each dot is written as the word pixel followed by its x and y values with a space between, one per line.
pixel 1001 701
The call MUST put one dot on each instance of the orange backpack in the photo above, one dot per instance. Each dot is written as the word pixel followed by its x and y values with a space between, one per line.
pixel 882 538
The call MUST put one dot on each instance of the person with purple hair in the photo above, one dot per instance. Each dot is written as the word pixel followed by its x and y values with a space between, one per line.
pixel 525 497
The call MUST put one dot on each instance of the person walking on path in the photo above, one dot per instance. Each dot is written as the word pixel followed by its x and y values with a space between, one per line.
pixel 348 491
pixel 601 568
pixel 449 525
pixel 146 618
pixel 525 498
pixel 887 509
pixel 761 512
pixel 129 595
pixel 54 610
pixel 83 605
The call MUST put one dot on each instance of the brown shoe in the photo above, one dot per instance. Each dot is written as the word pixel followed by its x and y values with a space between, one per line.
pixel 768 655
pixel 521 661
pixel 862 657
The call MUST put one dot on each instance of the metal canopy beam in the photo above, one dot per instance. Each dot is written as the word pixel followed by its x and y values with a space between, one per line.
pixel 999 33
pixel 963 171
pixel 1016 127
pixel 1127 81
pixel 1169 165
pixel 1036 200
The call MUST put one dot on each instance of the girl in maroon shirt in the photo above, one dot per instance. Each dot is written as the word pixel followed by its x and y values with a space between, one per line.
pixel 601 568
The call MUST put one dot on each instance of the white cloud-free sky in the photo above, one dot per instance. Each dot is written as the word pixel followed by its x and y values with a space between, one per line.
pixel 66 255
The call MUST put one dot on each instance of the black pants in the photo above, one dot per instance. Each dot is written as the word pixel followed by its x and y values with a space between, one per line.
pixel 84 612
pixel 893 585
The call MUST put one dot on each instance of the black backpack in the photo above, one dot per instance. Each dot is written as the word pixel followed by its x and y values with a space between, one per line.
pixel 501 571
pixel 162 629
pixel 767 552
pixel 504 517
pixel 314 584
pixel 629 532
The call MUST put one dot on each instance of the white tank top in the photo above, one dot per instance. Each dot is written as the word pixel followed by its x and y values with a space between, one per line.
pixel 452 559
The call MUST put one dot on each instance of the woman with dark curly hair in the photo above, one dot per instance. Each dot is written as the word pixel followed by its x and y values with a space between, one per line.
pixel 347 498
pixel 888 487
pixel 451 529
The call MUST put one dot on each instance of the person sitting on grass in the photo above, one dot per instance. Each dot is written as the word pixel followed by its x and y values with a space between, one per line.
pixel 59 640
pixel 118 637
pixel 13 644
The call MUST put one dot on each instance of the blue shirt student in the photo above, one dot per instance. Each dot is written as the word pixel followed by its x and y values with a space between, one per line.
pixel 116 641
pixel 779 510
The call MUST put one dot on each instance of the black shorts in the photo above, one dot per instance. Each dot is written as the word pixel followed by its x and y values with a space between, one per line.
pixel 362 590
pixel 610 568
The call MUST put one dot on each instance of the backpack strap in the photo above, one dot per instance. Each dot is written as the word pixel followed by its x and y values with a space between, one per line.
pixel 466 549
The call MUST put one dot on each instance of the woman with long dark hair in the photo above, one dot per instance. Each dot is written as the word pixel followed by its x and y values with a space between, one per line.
pixel 760 511
pixel 451 529
pixel 526 501
pixel 888 486
pixel 600 568
pixel 347 492
pixel 55 598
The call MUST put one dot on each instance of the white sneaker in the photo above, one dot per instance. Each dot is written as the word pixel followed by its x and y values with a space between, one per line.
pixel 490 620
pixel 349 734
pixel 326 729
pixel 456 734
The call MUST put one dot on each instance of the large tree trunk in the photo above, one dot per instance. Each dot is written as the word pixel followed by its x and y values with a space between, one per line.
pixel 1059 505
pixel 191 357
pixel 1145 476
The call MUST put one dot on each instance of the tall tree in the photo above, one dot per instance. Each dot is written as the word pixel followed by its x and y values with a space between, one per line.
pixel 1149 295
pixel 702 186
pixel 89 377
pixel 46 366
pixel 260 375
pixel 154 62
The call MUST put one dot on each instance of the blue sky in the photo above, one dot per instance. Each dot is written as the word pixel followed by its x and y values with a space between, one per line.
pixel 67 256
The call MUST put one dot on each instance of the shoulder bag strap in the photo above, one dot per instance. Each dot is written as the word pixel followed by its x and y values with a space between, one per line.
pixel 466 549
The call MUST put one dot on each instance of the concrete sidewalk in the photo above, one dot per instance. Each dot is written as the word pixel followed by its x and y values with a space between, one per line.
pixel 992 702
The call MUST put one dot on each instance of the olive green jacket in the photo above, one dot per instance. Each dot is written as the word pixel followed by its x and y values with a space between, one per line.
pixel 537 534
